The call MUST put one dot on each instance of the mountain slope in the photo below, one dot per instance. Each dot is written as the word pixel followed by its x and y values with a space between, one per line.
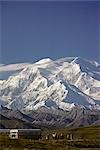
pixel 63 85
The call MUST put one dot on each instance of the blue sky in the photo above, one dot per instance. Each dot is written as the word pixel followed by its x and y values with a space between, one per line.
pixel 34 30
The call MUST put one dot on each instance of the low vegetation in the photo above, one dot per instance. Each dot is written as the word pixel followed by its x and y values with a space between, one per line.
pixel 84 137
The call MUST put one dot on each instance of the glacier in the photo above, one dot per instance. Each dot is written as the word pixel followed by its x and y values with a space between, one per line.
pixel 64 84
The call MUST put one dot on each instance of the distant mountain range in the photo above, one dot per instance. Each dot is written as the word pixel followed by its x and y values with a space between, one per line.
pixel 64 92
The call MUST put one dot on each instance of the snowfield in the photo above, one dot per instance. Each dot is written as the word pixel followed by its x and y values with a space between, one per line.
pixel 61 84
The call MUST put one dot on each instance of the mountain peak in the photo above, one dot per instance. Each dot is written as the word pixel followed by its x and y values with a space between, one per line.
pixel 44 61
pixel 60 83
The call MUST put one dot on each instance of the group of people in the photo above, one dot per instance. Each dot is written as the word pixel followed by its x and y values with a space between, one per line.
pixel 68 136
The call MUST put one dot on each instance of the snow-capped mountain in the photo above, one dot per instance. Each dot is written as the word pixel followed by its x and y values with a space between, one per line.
pixel 64 92
pixel 61 84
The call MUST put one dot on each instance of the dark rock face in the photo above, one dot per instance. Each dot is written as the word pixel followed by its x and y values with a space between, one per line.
pixel 47 118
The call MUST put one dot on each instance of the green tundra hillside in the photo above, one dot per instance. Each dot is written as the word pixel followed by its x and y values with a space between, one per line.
pixel 85 138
